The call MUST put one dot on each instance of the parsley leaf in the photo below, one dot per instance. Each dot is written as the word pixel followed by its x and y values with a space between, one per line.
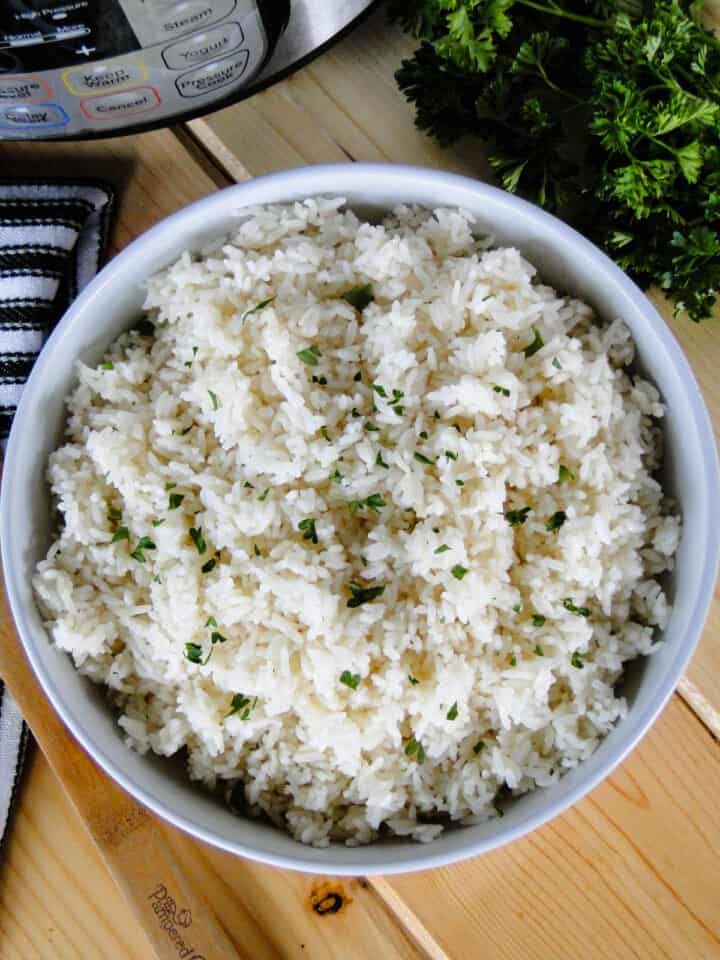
pixel 413 680
pixel 361 595
pixel 307 526
pixel 516 518
pixel 578 611
pixel 538 620
pixel 458 571
pixel 144 543
pixel 256 309
pixel 350 679
pixel 565 474
pixel 415 749
pixel 174 500
pixel 537 344
pixel 309 355
pixel 421 458
pixel 122 533
pixel 453 712
pixel 360 296
pixel 379 462
pixel 197 538
pixel 443 548
pixel 556 521
pixel 215 401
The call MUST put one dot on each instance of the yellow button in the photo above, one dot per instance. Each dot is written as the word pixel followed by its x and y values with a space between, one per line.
pixel 104 75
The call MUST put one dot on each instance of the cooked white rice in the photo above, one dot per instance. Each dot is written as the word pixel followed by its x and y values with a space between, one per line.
pixel 488 663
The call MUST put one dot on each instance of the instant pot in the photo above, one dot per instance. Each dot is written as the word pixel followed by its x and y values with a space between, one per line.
pixel 89 68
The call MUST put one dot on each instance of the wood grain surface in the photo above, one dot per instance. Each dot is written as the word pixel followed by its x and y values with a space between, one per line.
pixel 631 871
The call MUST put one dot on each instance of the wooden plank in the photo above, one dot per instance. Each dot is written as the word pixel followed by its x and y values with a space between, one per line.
pixel 57 901
pixel 346 106
pixel 631 871
pixel 343 106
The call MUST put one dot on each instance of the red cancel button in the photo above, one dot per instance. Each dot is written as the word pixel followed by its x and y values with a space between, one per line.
pixel 124 103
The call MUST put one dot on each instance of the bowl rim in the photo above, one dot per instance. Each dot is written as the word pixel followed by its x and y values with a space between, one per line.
pixel 319 180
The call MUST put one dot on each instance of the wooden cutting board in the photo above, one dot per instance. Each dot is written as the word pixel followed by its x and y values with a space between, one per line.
pixel 631 871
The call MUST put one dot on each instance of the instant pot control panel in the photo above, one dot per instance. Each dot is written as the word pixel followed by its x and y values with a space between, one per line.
pixel 92 66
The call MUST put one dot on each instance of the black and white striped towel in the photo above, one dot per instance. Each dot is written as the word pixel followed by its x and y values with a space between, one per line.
pixel 52 238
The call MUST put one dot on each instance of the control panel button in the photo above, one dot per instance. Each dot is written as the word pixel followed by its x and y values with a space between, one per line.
pixel 174 19
pixel 116 106
pixel 213 76
pixel 201 47
pixel 105 75
pixel 38 117
pixel 23 89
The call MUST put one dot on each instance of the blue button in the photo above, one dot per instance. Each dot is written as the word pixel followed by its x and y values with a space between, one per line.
pixel 38 116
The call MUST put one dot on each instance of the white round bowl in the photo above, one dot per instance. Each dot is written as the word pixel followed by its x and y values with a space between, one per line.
pixel 109 305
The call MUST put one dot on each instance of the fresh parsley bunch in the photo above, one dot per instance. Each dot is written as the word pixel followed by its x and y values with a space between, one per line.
pixel 606 112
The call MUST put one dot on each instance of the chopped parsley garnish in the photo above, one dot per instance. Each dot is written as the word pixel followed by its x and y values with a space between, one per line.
pixel 175 500
pixel 456 426
pixel 321 380
pixel 374 502
pixel 436 415
pixel 256 308
pixel 359 297
pixel 458 571
pixel 397 395
pixel 379 390
pixel 197 538
pixel 413 680
pixel 379 462
pixel 517 608
pixel 399 409
pixel 309 355
pixel 361 595
pixel 565 475
pixel 263 495
pixel 358 377
pixel 193 652
pixel 215 401
pixel 577 661
pixel 156 523
pixel 502 390
pixel 421 458
pixel 307 527
pixel 372 427
pixel 355 412
pixel 556 521
pixel 122 533
pixel 424 434
pixel 211 622
pixel 170 486
pixel 453 712
pixel 516 518
pixel 144 543
pixel 538 620
pixel 240 702
pixel 513 660
pixel 256 550
pixel 450 455
pixel 538 343
pixel 443 548
pixel 210 565
pixel 217 637
pixel 107 365
pixel 186 431
pixel 114 514
pixel 413 748
pixel 248 486
pixel 350 679
pixel 336 476
pixel 459 483
pixel 479 747
pixel 578 611
pixel 556 363
pixel 539 650
pixel 325 433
